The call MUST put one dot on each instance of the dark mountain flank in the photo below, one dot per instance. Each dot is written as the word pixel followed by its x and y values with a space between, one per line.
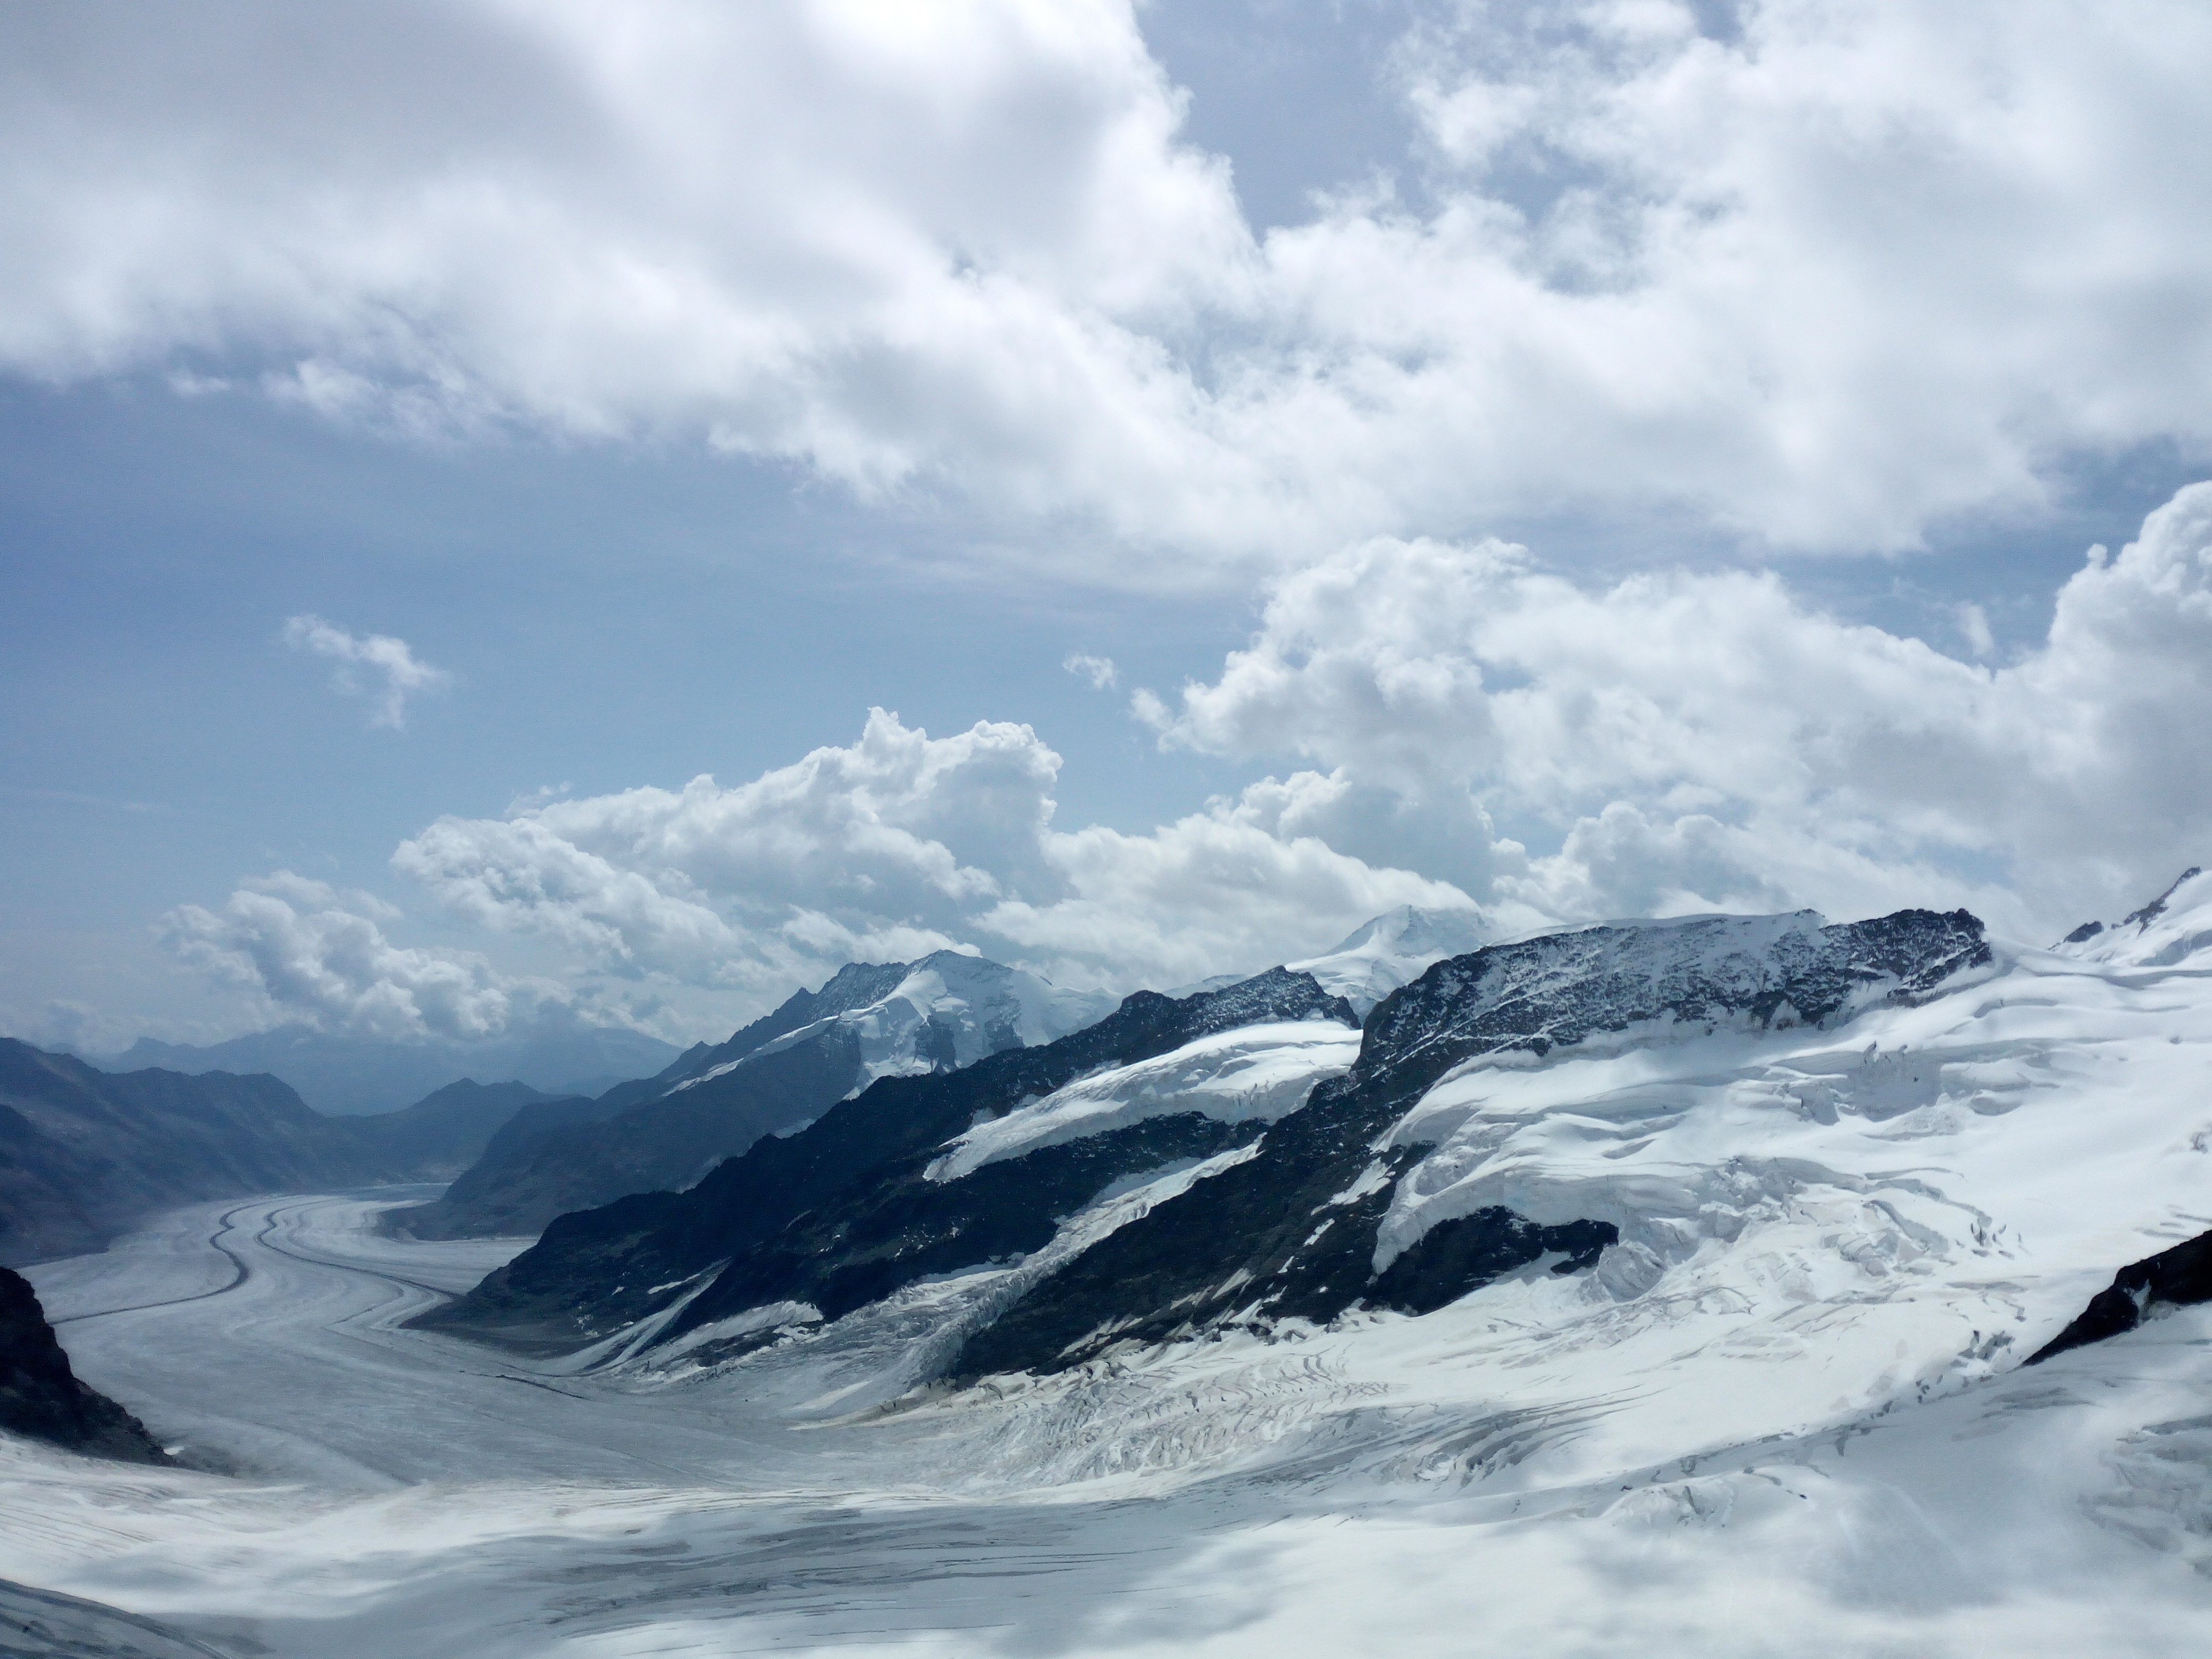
pixel 840 1209
pixel 446 1131
pixel 664 1132
pixel 42 1398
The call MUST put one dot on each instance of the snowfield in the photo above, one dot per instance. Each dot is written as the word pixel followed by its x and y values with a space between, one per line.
pixel 1260 1073
pixel 1786 1413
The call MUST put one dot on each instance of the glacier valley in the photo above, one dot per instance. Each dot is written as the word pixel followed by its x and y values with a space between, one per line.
pixel 1695 1267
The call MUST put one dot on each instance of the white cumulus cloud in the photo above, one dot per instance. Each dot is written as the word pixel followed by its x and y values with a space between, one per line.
pixel 1820 277
pixel 900 844
pixel 398 672
pixel 301 950
pixel 1704 741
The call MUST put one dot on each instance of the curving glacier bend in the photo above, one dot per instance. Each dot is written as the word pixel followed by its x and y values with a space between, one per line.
pixel 1784 1406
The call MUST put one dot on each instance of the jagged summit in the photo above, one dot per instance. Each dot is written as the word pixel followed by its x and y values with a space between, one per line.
pixel 947 1010
pixel 1557 989
pixel 1379 956
pixel 2173 926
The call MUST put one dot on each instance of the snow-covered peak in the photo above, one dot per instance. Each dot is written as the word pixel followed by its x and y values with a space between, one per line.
pixel 947 1011
pixel 2172 927
pixel 1557 990
pixel 1380 956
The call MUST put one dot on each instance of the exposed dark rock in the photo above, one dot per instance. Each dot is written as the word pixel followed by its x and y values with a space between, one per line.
pixel 578 1155
pixel 842 1203
pixel 42 1398
pixel 2142 919
pixel 1462 1255
pixel 904 1227
pixel 2180 1277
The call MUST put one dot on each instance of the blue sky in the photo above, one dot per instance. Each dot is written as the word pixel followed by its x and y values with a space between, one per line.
pixel 983 338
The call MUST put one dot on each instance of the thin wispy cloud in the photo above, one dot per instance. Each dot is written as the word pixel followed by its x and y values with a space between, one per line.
pixel 378 667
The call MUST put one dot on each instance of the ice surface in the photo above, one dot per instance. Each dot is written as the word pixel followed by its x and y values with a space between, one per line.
pixel 1784 1415
pixel 1250 1072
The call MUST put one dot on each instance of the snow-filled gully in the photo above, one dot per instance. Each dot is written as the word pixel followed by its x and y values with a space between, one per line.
pixel 1784 1414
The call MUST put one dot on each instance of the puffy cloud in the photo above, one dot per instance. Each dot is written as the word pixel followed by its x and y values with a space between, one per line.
pixel 1099 670
pixel 901 844
pixel 1674 742
pixel 1707 741
pixel 1820 277
pixel 299 952
pixel 403 674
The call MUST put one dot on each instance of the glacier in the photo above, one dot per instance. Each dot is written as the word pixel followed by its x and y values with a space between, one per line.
pixel 1785 1407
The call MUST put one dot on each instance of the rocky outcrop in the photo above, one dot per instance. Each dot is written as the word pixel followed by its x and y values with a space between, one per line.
pixel 2178 1278
pixel 41 1398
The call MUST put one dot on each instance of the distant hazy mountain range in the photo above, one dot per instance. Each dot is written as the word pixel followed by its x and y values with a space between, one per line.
pixel 86 1154
pixel 356 1075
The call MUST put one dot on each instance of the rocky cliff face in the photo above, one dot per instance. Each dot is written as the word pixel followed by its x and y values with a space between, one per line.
pixel 1292 1232
pixel 41 1398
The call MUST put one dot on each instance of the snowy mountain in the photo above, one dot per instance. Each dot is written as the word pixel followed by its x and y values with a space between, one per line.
pixel 870 1020
pixel 887 1188
pixel 1382 955
pixel 1613 1111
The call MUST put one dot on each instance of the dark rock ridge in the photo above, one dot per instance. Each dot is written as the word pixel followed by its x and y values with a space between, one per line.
pixel 2139 919
pixel 42 1398
pixel 1291 1233
pixel 840 1213
pixel 86 1154
pixel 2178 1278
pixel 665 1131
